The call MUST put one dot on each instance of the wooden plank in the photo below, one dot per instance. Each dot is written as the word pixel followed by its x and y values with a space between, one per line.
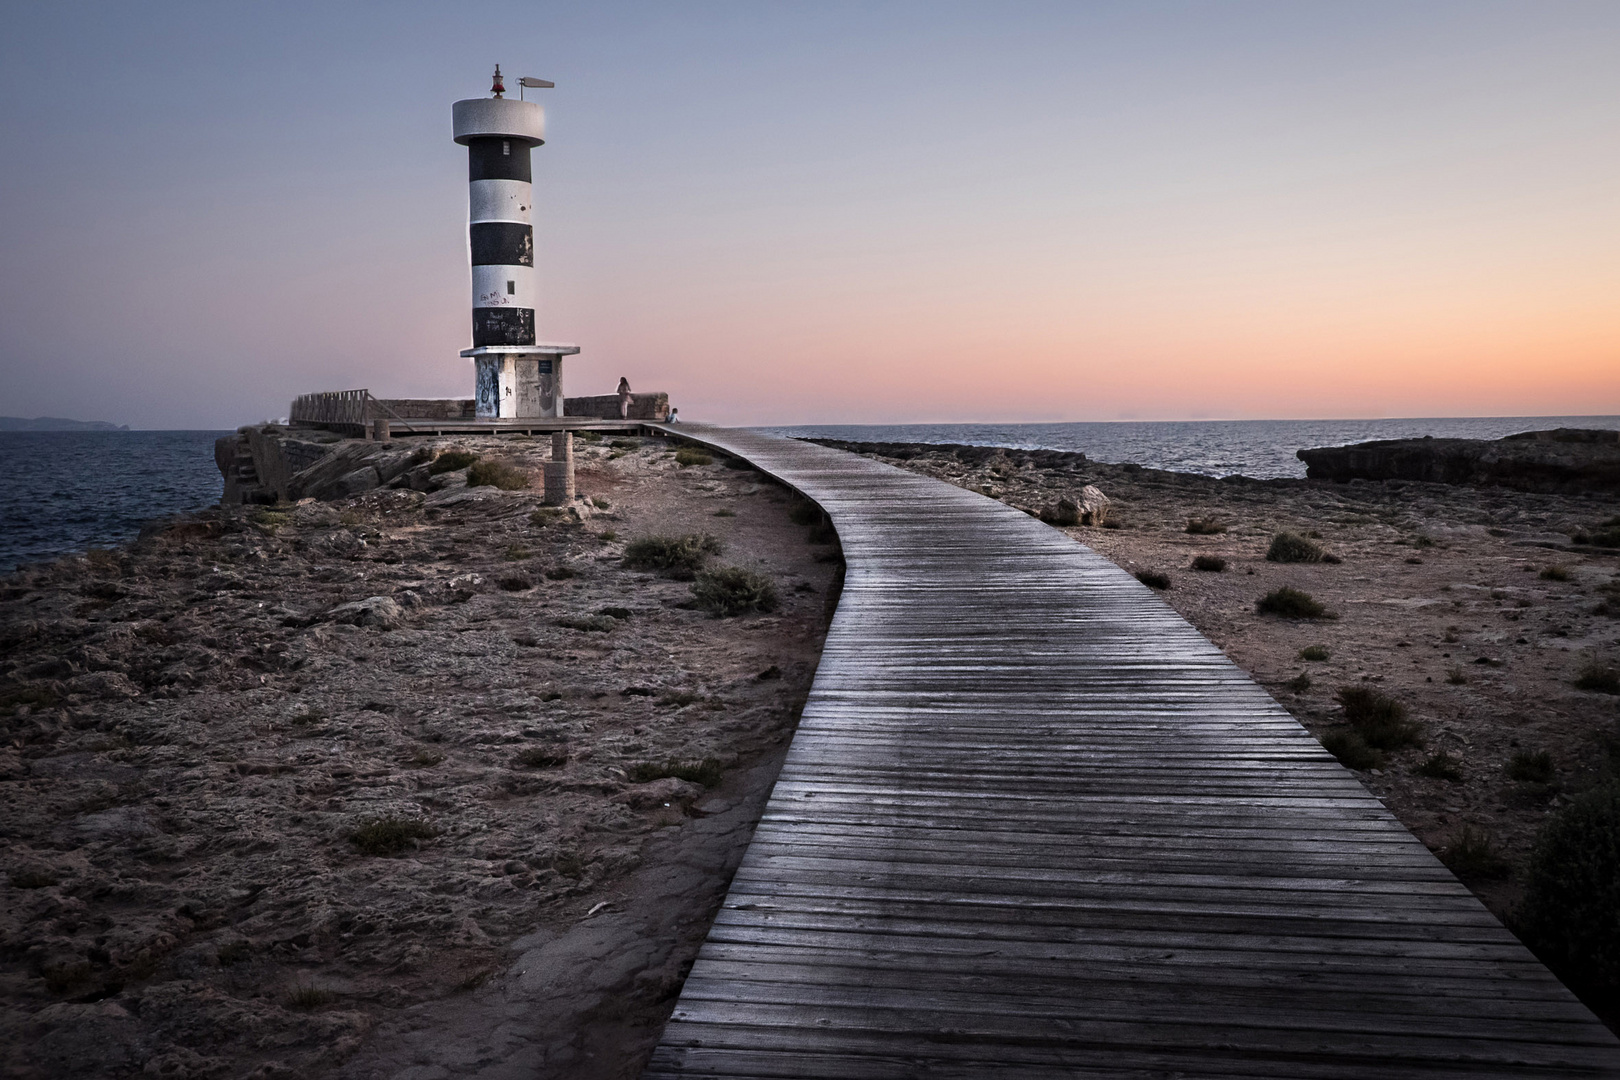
pixel 1033 824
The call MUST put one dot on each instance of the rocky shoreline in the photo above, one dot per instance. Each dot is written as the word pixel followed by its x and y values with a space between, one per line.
pixel 286 784
pixel 1566 460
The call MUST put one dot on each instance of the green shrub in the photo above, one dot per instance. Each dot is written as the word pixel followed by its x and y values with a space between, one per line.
pixel 679 557
pixel 497 474
pixel 1314 653
pixel 1531 767
pixel 1572 894
pixel 733 590
pixel 615 612
pixel 724 512
pixel 1299 683
pixel 707 772
pixel 600 503
pixel 391 835
pixel 1287 547
pixel 515 583
pixel 1599 679
pixel 1204 526
pixel 1351 750
pixel 1440 766
pixel 1153 579
pixel 1378 718
pixel 1456 676
pixel 1604 536
pixel 561 572
pixel 1290 604
pixel 1212 563
pixel 234 952
pixel 1471 854
pixel 450 461
pixel 1555 573
pixel 688 455
pixel 517 553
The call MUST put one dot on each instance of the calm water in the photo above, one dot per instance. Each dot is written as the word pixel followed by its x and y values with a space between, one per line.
pixel 1260 448
pixel 63 491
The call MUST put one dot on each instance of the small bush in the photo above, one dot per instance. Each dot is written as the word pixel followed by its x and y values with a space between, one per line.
pixel 517 553
pixel 1599 679
pixel 1287 547
pixel 497 474
pixel 544 516
pixel 679 557
pixel 723 512
pixel 310 997
pixel 1378 718
pixel 233 952
pixel 1351 750
pixel 733 590
pixel 1422 541
pixel 1440 766
pixel 1531 767
pixel 424 758
pixel 391 835
pixel 1572 891
pixel 1472 855
pixel 1153 579
pixel 1213 564
pixel 707 772
pixel 1299 683
pixel 804 513
pixel 1555 573
pixel 688 456
pixel 615 612
pixel 1314 653
pixel 450 461
pixel 600 503
pixel 1604 536
pixel 1456 676
pixel 1204 526
pixel 540 757
pixel 1290 604
pixel 515 583
pixel 595 624
pixel 560 572
pixel 680 699
pixel 32 878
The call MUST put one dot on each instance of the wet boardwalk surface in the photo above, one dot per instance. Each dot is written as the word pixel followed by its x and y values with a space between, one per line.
pixel 1034 824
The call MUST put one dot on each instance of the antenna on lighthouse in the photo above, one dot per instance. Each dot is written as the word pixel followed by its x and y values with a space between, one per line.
pixel 533 84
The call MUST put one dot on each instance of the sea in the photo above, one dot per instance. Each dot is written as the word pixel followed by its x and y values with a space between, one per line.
pixel 66 491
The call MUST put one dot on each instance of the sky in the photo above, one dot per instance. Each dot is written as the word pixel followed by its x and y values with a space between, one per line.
pixel 824 212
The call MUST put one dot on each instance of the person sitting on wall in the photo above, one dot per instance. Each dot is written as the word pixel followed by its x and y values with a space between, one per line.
pixel 674 415
pixel 624 398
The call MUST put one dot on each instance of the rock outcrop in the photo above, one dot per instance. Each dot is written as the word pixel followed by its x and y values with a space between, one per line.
pixel 1564 460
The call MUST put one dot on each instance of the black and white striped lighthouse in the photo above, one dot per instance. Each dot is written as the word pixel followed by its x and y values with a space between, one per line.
pixel 515 374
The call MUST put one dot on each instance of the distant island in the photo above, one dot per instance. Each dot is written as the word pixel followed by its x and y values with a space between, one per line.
pixel 56 423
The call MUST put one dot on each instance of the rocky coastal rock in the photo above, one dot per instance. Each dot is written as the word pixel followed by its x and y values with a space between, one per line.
pixel 1564 460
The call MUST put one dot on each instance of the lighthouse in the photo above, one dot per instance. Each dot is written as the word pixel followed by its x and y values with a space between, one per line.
pixel 515 375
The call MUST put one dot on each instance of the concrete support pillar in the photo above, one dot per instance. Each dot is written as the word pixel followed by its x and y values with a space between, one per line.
pixel 559 471
pixel 380 431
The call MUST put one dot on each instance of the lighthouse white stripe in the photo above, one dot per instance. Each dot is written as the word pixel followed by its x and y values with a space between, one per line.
pixel 499 200
pixel 490 289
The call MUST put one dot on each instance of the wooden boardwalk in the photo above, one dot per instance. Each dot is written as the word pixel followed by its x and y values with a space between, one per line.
pixel 1033 824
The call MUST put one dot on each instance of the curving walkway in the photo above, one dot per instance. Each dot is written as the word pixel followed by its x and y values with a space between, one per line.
pixel 1034 824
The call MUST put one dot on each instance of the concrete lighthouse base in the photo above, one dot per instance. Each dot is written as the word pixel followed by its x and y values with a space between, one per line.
pixel 514 382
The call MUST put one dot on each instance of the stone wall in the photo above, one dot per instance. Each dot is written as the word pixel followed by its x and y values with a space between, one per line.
pixel 652 405
pixel 426 408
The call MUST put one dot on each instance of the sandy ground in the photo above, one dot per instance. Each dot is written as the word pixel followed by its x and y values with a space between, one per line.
pixel 1439 601
pixel 194 737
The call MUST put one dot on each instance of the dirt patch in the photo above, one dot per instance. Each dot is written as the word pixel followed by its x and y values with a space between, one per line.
pixel 398 785
pixel 1471 609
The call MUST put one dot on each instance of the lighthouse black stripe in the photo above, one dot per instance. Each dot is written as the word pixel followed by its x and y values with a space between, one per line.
pixel 498 159
pixel 503 326
pixel 502 243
